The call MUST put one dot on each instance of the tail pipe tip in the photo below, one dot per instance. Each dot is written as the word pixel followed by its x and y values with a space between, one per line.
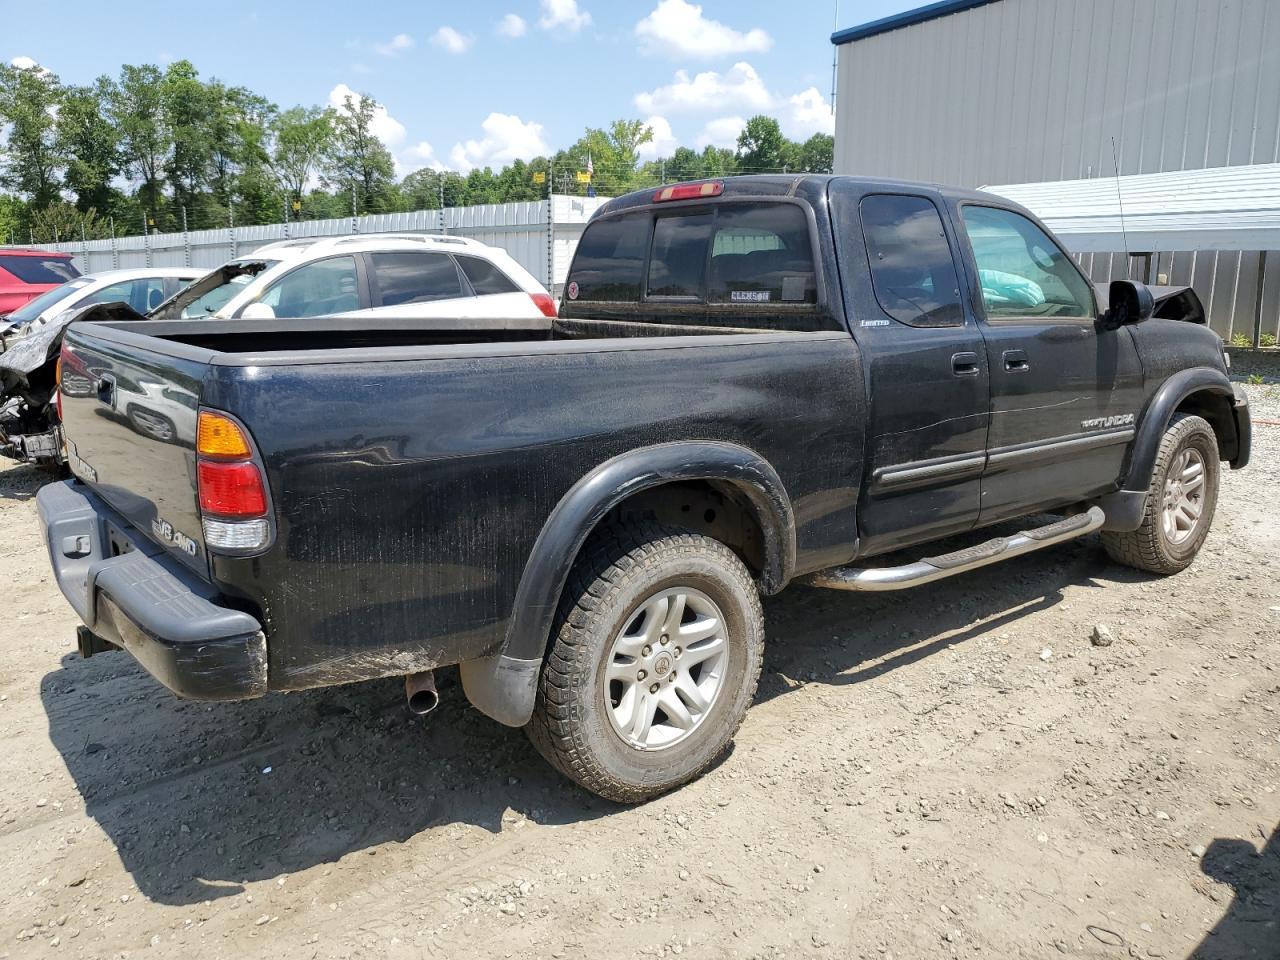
pixel 420 692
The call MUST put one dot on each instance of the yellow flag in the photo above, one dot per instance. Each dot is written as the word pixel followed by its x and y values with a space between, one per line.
pixel 584 177
pixel 539 176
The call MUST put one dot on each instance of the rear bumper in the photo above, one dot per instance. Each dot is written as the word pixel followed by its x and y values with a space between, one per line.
pixel 140 600
pixel 1244 427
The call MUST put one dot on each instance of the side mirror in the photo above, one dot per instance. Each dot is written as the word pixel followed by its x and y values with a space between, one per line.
pixel 263 311
pixel 1130 302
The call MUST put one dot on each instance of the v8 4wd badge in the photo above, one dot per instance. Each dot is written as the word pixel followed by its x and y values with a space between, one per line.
pixel 165 533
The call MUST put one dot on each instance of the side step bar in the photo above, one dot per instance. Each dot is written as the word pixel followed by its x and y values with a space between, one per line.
pixel 960 561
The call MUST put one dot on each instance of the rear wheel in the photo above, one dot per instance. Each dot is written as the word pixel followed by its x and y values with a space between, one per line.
pixel 653 662
pixel 1180 502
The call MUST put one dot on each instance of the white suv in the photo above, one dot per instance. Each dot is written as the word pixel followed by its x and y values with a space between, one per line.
pixel 394 275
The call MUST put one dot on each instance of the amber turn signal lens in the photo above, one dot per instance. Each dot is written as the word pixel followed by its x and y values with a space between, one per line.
pixel 219 436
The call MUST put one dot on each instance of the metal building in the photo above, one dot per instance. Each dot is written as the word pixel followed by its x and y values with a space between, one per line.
pixel 978 92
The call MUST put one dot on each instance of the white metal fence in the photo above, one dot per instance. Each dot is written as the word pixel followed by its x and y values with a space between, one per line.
pixel 540 234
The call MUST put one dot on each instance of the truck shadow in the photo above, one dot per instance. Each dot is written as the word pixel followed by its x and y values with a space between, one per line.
pixel 839 638
pixel 1251 925
pixel 21 481
pixel 200 799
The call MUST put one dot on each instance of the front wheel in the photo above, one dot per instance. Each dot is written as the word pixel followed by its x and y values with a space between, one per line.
pixel 654 661
pixel 1180 502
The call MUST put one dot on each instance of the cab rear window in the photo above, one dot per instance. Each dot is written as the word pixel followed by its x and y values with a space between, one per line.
pixel 745 254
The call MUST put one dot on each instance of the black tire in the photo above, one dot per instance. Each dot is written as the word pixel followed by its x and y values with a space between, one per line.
pixel 1150 546
pixel 619 569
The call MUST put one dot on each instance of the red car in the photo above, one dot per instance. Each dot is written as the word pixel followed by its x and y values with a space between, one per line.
pixel 25 274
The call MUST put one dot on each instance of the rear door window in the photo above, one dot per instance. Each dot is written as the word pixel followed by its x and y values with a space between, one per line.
pixel 762 254
pixel 912 270
pixel 40 269
pixel 320 288
pixel 404 278
pixel 485 278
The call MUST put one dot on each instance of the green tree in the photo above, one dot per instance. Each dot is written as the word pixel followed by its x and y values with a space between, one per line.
pixel 89 145
pixel 817 154
pixel 29 97
pixel 303 137
pixel 63 222
pixel 358 160
pixel 719 162
pixel 13 218
pixel 187 107
pixel 135 106
pixel 761 146
pixel 685 164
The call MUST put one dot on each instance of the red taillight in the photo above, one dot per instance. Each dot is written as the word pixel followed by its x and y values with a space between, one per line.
pixel 689 191
pixel 231 489
pixel 544 303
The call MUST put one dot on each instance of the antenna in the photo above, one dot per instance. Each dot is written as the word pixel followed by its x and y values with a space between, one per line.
pixel 835 53
pixel 1120 200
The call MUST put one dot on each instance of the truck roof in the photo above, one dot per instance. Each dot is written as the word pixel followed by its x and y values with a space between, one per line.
pixel 804 184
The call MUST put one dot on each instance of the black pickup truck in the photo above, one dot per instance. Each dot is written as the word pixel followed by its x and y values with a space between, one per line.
pixel 752 382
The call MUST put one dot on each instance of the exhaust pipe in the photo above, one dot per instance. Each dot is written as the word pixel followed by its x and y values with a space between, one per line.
pixel 420 692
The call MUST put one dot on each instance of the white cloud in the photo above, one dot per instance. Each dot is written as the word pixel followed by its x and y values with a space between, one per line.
pixel 397 44
pixel 676 28
pixel 383 126
pixel 506 138
pixel 740 89
pixel 451 40
pixel 663 143
pixel 512 25
pixel 563 15
pixel 23 63
pixel 721 132
pixel 740 86
pixel 805 114
pixel 420 155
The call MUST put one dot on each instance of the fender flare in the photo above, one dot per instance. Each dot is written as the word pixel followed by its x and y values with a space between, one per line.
pixel 1124 508
pixel 504 685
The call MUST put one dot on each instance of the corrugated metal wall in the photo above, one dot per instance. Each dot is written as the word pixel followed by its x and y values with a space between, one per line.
pixel 1029 90
pixel 519 228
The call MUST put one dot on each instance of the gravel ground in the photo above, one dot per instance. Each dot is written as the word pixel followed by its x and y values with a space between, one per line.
pixel 954 772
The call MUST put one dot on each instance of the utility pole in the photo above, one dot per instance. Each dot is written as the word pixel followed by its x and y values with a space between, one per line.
pixel 551 232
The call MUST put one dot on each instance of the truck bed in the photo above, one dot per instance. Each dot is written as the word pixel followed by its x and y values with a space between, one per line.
pixel 411 468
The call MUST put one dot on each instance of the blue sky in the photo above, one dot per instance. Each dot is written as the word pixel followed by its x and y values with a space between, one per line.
pixel 470 84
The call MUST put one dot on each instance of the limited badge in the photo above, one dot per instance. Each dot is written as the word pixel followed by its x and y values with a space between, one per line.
pixel 572 290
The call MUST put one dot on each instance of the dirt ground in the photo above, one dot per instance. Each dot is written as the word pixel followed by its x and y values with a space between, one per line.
pixel 953 772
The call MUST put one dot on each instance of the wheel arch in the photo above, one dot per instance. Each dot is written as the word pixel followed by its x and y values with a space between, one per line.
pixel 1202 391
pixel 503 685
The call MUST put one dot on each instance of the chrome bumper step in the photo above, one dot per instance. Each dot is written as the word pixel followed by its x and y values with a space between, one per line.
pixel 958 561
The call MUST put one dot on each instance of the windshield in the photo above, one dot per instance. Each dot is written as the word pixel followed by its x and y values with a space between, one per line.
pixel 33 308
pixel 207 296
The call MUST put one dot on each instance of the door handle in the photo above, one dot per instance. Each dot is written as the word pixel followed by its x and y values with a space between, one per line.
pixel 107 389
pixel 1015 361
pixel 965 364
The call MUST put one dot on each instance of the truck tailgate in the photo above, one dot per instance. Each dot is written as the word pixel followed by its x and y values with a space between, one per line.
pixel 129 416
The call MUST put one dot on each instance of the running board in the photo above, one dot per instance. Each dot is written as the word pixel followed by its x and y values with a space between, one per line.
pixel 960 561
